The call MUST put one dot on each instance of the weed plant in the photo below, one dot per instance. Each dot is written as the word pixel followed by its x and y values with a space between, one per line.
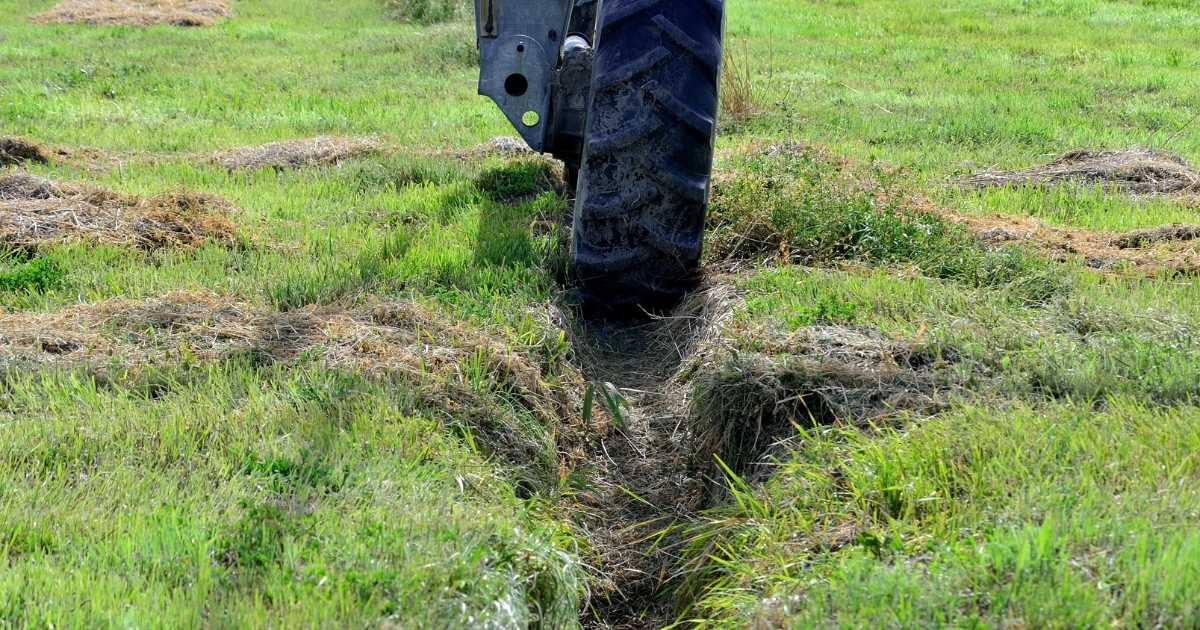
pixel 39 274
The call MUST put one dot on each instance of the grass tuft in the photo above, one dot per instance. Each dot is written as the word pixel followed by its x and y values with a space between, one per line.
pixel 797 204
pixel 425 11
pixel 740 100
pixel 518 178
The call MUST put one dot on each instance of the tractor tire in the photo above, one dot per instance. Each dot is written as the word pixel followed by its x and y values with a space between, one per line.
pixel 644 181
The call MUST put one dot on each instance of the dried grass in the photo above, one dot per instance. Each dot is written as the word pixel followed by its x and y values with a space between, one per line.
pixel 36 211
pixel 290 154
pixel 1164 249
pixel 740 101
pixel 137 12
pixel 499 146
pixel 1136 171
pixel 18 151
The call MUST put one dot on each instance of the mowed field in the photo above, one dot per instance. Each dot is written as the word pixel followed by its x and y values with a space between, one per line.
pixel 342 383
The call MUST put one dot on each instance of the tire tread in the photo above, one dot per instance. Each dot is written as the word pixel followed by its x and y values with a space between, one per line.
pixel 647 160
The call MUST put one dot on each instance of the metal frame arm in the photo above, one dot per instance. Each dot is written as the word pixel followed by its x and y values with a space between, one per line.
pixel 519 46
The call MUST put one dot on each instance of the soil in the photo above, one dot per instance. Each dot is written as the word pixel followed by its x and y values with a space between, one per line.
pixel 137 12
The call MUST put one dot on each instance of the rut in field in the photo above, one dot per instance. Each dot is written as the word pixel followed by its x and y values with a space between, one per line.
pixel 695 391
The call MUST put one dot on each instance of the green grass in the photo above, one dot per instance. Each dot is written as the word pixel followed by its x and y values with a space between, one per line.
pixel 1056 488
pixel 965 84
pixel 301 498
pixel 983 518
pixel 812 210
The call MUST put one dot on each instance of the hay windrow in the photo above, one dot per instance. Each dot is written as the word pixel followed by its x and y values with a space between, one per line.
pixel 1166 249
pixel 292 154
pixel 1166 233
pixel 1135 171
pixel 35 211
pixel 440 357
pixel 18 151
pixel 137 12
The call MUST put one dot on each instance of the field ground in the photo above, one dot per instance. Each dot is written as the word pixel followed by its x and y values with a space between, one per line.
pixel 354 393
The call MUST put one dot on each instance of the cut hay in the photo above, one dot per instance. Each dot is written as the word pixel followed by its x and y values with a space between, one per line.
pixel 499 146
pixel 1171 249
pixel 137 12
pixel 452 365
pixel 1164 234
pixel 291 154
pixel 19 151
pixel 1135 171
pixel 36 211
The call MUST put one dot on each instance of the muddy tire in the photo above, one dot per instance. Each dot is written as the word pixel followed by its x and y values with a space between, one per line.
pixel 647 156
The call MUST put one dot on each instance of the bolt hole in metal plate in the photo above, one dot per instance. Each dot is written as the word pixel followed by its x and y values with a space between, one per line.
pixel 530 119
pixel 520 47
pixel 516 85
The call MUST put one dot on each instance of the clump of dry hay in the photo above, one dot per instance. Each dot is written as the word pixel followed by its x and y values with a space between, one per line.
pixel 749 401
pixel 137 12
pixel 1137 171
pixel 499 146
pixel 18 151
pixel 35 211
pixel 289 154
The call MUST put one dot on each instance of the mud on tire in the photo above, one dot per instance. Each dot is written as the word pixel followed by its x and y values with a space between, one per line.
pixel 647 159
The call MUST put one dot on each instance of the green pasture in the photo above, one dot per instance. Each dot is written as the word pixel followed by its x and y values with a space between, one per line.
pixel 1057 488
